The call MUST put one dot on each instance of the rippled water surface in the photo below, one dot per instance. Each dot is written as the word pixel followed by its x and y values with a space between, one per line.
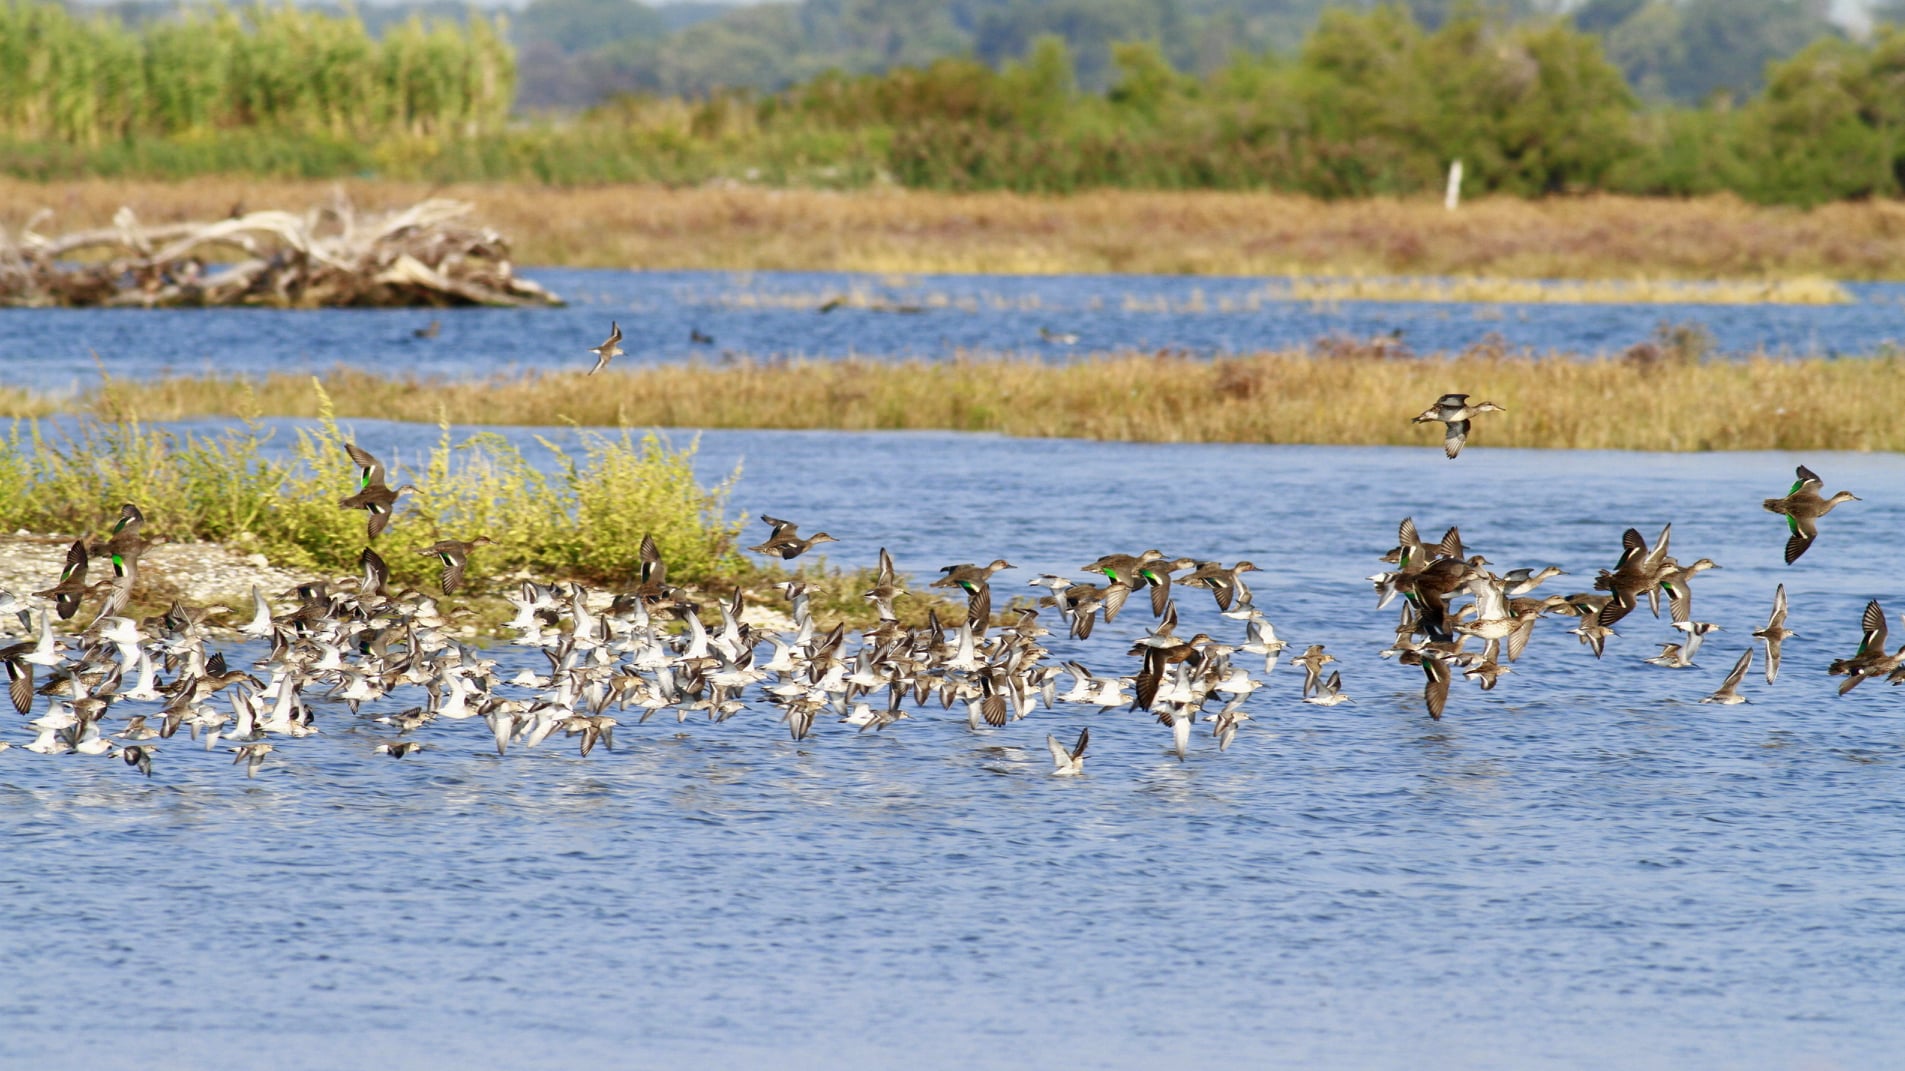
pixel 771 315
pixel 1583 868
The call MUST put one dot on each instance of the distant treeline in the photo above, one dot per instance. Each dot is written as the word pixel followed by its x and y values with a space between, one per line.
pixel 78 81
pixel 577 53
pixel 1373 103
pixel 1376 104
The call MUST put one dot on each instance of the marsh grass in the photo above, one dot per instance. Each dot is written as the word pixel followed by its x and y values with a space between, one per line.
pixel 1329 290
pixel 1670 393
pixel 1173 233
pixel 1800 290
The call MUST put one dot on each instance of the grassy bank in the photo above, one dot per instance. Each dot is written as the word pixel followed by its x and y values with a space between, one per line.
pixel 574 514
pixel 1662 395
pixel 1611 238
pixel 580 514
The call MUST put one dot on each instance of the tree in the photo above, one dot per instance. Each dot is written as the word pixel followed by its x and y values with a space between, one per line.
pixel 1530 110
pixel 1828 125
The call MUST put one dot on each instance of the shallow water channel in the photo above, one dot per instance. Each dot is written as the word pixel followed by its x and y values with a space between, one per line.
pixel 776 316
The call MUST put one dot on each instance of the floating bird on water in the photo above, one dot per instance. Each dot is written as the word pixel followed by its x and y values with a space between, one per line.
pixel 608 350
pixel 1455 411
pixel 1802 507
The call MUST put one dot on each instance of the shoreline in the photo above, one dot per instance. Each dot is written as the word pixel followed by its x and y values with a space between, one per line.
pixel 219 575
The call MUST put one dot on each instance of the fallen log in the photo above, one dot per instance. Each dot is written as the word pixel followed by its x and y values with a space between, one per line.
pixel 424 255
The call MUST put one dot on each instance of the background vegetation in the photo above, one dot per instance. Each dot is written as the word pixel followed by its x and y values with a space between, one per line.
pixel 278 71
pixel 1372 102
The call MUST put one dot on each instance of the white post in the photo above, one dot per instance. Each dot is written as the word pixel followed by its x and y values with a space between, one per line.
pixel 1454 196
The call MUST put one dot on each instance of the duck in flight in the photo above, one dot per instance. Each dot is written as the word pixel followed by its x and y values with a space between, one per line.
pixel 372 496
pixel 1455 411
pixel 1802 507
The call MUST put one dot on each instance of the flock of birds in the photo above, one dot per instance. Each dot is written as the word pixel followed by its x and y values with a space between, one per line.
pixel 648 652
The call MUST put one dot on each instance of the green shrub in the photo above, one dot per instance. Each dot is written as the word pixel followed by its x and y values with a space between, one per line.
pixel 585 520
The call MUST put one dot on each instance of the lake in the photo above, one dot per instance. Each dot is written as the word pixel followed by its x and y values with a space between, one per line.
pixel 1583 868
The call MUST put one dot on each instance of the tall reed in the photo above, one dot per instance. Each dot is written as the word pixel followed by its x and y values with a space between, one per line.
pixel 91 82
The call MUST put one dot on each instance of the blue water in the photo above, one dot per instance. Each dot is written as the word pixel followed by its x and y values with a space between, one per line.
pixel 773 315
pixel 1584 868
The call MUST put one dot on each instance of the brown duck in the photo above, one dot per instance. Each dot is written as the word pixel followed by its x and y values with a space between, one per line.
pixel 372 495
pixel 1802 507
pixel 455 556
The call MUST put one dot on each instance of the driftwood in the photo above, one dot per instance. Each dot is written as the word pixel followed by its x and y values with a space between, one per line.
pixel 423 255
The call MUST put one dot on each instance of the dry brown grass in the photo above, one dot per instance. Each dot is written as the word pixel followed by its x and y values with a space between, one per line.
pixel 1109 231
pixel 1656 397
